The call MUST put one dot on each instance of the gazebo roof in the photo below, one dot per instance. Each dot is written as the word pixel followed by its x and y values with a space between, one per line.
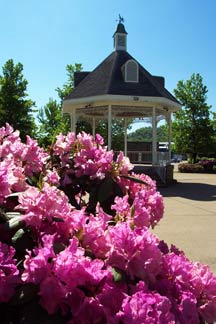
pixel 107 79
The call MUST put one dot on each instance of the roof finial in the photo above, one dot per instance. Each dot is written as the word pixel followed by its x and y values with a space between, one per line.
pixel 121 19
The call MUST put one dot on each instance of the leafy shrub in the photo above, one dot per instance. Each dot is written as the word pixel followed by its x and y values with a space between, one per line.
pixel 190 168
pixel 208 164
pixel 75 244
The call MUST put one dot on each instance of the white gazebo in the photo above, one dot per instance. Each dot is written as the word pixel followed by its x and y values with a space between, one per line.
pixel 120 87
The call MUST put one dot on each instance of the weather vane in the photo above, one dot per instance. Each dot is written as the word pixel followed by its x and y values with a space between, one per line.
pixel 120 19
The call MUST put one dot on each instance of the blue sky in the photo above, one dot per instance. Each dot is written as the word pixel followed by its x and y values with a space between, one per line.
pixel 171 38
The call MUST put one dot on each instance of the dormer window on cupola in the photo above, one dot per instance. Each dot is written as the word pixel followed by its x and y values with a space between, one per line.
pixel 120 36
pixel 131 71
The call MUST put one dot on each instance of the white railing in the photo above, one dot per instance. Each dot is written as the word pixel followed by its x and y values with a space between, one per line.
pixel 146 157
pixel 140 156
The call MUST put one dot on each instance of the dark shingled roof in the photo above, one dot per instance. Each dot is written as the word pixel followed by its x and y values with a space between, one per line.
pixel 120 29
pixel 107 79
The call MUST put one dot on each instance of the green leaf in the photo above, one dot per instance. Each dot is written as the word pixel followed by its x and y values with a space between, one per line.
pixel 58 219
pixel 58 247
pixel 18 235
pixel 117 276
pixel 134 179
pixel 14 224
pixel 12 215
pixel 22 240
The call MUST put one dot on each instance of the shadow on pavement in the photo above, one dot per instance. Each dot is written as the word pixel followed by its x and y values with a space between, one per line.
pixel 193 191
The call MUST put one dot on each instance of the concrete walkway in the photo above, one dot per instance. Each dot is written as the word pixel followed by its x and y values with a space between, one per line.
pixel 189 221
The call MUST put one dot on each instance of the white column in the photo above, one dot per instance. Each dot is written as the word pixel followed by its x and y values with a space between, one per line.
pixel 93 126
pixel 109 127
pixel 73 121
pixel 154 137
pixel 169 120
pixel 125 136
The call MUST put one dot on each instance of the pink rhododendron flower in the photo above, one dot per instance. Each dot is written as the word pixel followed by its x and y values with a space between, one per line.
pixel 94 237
pixel 147 202
pixel 66 263
pixel 12 178
pixel 88 250
pixel 111 297
pixel 47 210
pixel 148 207
pixel 78 221
pixel 92 160
pixel 148 308
pixel 99 139
pixel 134 251
pixel 9 274
pixel 90 312
pixel 133 187
pixel 73 268
pixel 29 156
pixel 63 144
pixel 5 188
pixel 5 131
pixel 124 164
pixel 35 157
pixel 52 294
pixel 191 283
pixel 187 310
pixel 52 177
pixel 36 264
pixel 122 207
pixel 11 144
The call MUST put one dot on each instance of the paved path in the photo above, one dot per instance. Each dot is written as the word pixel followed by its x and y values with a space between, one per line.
pixel 190 216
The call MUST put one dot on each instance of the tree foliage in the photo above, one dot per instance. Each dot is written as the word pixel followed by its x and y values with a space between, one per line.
pixel 68 86
pixel 15 106
pixel 192 129
pixel 213 125
pixel 144 134
pixel 117 132
pixel 50 117
pixel 52 122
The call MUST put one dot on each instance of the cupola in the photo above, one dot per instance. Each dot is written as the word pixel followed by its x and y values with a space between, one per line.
pixel 120 36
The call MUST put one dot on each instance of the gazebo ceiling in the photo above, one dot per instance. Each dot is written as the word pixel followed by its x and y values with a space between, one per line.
pixel 119 111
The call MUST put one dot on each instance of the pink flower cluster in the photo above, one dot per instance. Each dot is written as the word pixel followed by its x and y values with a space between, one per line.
pixel 147 208
pixel 9 274
pixel 18 161
pixel 46 210
pixel 191 287
pixel 84 239
pixel 90 157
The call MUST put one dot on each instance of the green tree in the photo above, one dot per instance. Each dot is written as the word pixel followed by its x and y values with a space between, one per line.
pixel 15 107
pixel 117 132
pixel 144 134
pixel 51 122
pixel 50 117
pixel 192 129
pixel 213 124
pixel 69 85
